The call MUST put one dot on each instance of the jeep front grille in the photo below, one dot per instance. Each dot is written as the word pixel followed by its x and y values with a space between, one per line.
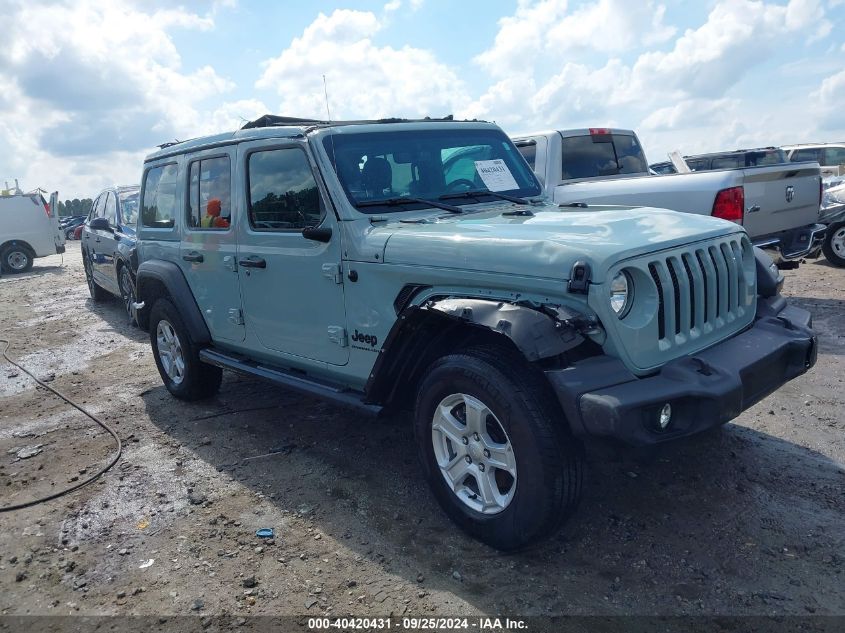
pixel 704 292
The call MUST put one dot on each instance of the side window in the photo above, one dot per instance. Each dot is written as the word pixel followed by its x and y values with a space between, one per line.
pixel 111 209
pixel 209 194
pixel 727 162
pixel 834 156
pixel 158 210
pixel 806 154
pixel 283 194
pixel 95 208
pixel 697 164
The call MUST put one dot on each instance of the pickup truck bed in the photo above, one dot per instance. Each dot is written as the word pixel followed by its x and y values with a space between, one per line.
pixel 777 204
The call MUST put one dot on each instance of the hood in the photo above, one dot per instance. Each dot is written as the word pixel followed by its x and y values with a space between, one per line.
pixel 547 244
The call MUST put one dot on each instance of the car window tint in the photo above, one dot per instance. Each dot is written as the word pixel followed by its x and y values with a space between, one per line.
pixel 589 156
pixel 159 206
pixel 110 212
pixel 806 154
pixel 128 207
pixel 209 194
pixel 283 194
pixel 728 162
pixel 529 153
pixel 698 164
pixel 834 156
pixel 96 208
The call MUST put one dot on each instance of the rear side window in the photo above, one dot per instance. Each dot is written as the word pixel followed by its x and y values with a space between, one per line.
pixel 209 194
pixel 806 154
pixel 728 162
pixel 834 156
pixel 601 155
pixel 158 210
pixel 699 164
pixel 283 194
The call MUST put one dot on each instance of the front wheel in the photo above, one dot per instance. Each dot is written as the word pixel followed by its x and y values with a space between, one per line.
pixel 494 449
pixel 834 245
pixel 177 356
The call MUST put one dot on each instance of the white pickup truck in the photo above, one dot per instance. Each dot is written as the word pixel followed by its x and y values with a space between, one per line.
pixel 777 204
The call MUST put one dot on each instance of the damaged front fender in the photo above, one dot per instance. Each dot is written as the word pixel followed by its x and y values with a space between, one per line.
pixel 537 332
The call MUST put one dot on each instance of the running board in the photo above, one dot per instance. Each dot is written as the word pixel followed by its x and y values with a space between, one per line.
pixel 337 394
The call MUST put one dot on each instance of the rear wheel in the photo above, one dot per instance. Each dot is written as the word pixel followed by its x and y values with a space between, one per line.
pixel 494 449
pixel 177 356
pixel 834 245
pixel 16 259
pixel 127 292
pixel 98 294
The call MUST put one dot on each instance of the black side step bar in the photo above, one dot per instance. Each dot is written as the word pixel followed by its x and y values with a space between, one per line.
pixel 339 395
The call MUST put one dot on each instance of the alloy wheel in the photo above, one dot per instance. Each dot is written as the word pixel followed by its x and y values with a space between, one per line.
pixel 170 352
pixel 474 453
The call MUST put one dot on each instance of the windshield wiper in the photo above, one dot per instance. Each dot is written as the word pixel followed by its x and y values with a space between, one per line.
pixel 395 202
pixel 483 192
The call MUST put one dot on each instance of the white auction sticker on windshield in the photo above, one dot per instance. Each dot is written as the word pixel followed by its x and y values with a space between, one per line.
pixel 496 175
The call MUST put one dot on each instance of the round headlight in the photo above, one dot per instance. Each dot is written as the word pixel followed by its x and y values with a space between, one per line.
pixel 620 294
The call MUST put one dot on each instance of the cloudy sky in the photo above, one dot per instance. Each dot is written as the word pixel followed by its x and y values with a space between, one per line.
pixel 88 87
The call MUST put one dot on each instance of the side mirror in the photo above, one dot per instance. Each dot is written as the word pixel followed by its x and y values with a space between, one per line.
pixel 100 224
pixel 317 233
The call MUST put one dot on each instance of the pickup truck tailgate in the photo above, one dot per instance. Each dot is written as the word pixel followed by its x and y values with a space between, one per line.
pixel 781 197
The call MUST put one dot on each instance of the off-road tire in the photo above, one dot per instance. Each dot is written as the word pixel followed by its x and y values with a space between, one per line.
pixel 200 380
pixel 827 246
pixel 549 460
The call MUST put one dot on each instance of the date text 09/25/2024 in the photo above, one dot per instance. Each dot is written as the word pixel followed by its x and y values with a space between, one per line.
pixel 482 624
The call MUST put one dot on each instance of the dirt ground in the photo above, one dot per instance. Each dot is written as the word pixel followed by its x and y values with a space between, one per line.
pixel 746 520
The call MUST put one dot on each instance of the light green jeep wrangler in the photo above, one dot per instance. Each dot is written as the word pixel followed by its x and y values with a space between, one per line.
pixel 413 265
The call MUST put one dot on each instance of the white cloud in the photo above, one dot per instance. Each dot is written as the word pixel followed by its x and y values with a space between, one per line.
pixel 99 81
pixel 828 100
pixel 610 26
pixel 364 79
pixel 738 36
pixel 520 37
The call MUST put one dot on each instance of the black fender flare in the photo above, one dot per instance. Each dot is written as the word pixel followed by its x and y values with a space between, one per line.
pixel 154 274
pixel 422 332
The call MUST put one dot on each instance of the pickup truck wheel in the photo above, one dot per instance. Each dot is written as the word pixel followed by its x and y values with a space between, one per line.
pixel 493 449
pixel 98 294
pixel 834 245
pixel 177 356
pixel 16 259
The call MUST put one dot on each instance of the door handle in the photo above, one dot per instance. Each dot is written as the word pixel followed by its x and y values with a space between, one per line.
pixel 253 262
pixel 97 240
pixel 193 256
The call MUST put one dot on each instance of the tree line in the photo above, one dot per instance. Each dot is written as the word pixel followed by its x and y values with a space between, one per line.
pixel 75 207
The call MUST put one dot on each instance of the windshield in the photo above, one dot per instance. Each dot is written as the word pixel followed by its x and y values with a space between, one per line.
pixel 129 206
pixel 425 165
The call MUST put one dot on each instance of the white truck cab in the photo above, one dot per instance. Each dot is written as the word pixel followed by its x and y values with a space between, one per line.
pixel 29 228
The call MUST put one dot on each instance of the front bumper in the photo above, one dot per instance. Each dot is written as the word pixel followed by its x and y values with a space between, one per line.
pixel 794 245
pixel 601 398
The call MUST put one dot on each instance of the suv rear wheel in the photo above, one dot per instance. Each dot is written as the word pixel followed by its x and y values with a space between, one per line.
pixel 127 292
pixel 177 356
pixel 493 448
pixel 97 293
pixel 834 245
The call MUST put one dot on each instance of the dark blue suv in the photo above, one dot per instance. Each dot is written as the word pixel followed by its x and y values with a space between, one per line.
pixel 108 245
